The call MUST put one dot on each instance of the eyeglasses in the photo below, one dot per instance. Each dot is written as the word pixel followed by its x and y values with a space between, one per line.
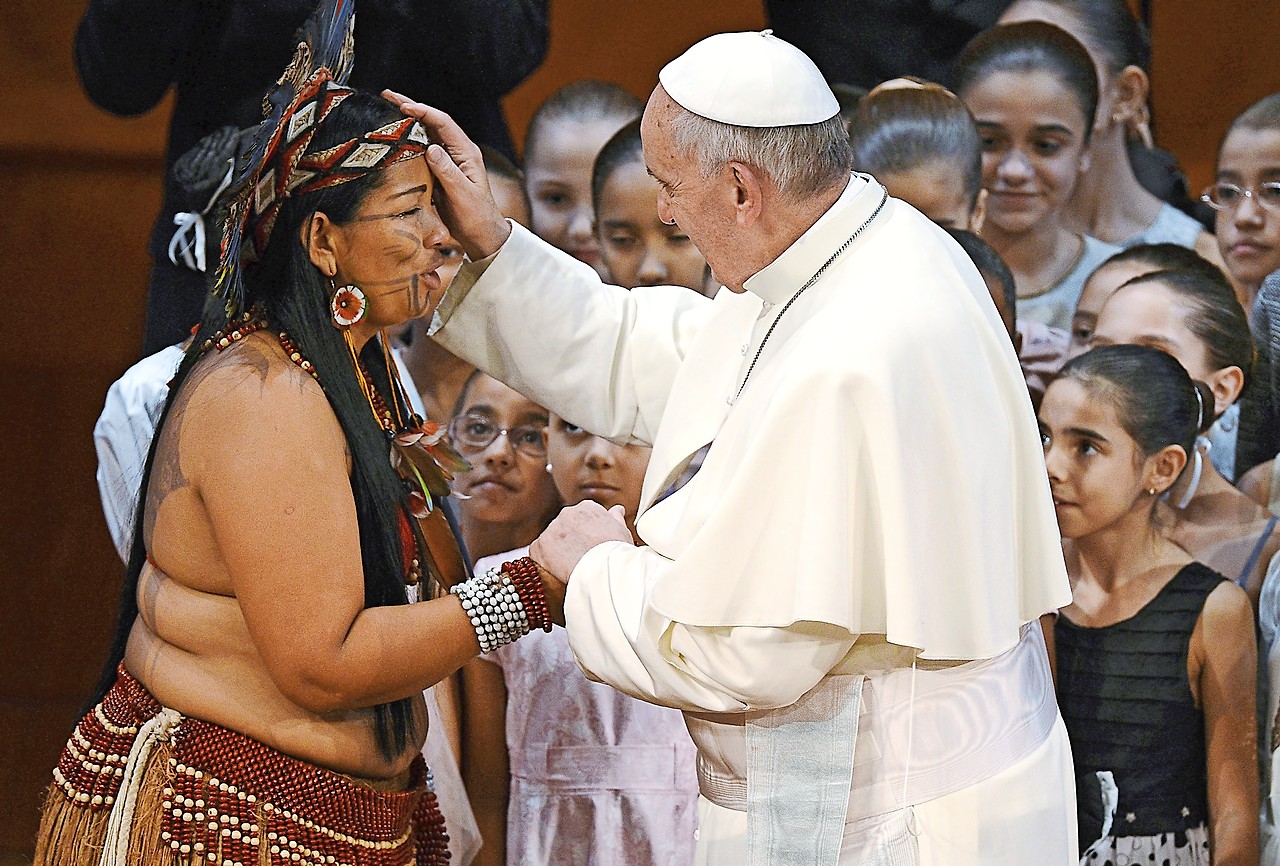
pixel 474 433
pixel 1229 196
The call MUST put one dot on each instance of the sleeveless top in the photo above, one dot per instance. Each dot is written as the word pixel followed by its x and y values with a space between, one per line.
pixel 1172 226
pixel 1126 700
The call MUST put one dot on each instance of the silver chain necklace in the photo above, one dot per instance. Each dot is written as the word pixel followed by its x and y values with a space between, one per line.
pixel 813 279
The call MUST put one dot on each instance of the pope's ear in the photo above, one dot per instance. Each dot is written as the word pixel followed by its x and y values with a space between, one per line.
pixel 319 236
pixel 748 193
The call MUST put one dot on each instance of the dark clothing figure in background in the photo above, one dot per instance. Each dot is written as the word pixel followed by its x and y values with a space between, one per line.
pixel 461 55
pixel 871 41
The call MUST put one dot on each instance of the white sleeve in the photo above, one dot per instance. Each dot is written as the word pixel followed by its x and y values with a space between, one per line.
pixel 122 438
pixel 619 639
pixel 542 322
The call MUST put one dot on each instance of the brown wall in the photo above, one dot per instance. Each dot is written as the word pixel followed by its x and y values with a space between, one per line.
pixel 1210 60
pixel 78 192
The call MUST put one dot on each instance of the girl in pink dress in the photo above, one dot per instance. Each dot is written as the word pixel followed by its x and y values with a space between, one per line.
pixel 582 773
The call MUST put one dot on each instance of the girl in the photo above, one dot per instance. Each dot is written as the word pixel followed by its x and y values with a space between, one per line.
pixel 1116 271
pixel 1155 654
pixel 562 770
pixel 564 137
pixel 1110 202
pixel 1033 91
pixel 1197 320
pixel 1133 261
pixel 506 499
pixel 920 141
pixel 636 247
pixel 1246 195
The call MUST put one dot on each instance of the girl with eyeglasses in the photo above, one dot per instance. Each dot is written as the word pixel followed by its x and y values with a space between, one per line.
pixel 1156 659
pixel 506 498
pixel 1246 195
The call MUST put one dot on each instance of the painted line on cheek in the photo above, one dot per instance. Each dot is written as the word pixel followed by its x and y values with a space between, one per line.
pixel 413 241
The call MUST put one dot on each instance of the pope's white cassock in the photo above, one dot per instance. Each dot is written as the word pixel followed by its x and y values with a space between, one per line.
pixel 861 558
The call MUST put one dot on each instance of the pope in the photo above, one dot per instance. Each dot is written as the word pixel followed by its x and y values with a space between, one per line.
pixel 844 597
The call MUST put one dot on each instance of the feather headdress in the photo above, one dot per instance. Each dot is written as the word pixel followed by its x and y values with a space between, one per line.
pixel 274 165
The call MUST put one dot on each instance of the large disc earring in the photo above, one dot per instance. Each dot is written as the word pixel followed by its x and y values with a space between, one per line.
pixel 347 306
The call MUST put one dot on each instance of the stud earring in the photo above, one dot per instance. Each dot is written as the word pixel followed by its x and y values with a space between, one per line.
pixel 548 468
pixel 1151 491
pixel 347 305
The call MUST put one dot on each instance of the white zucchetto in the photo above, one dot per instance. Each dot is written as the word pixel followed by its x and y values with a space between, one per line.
pixel 749 79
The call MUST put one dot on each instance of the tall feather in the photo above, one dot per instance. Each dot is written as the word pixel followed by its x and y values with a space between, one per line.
pixel 326 40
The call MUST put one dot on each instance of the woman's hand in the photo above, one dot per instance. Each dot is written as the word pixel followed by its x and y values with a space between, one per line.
pixel 462 195
pixel 575 531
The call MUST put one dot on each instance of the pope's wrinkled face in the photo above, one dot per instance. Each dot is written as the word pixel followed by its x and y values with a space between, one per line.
pixel 703 207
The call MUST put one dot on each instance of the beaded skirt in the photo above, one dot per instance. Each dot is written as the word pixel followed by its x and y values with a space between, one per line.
pixel 154 787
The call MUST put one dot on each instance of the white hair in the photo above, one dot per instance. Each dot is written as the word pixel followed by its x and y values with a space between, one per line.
pixel 801 160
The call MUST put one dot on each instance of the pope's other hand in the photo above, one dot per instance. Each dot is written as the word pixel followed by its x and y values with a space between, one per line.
pixel 576 530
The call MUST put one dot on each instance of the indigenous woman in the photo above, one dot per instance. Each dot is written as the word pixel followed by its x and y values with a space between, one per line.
pixel 263 699
pixel 1155 654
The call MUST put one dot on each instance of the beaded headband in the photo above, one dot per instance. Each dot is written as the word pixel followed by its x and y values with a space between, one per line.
pixel 288 172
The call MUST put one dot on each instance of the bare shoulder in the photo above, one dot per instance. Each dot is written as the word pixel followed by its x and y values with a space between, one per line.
pixel 1227 610
pixel 1256 483
pixel 252 397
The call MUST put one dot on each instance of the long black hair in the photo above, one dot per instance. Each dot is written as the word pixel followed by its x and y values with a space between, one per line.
pixel 295 298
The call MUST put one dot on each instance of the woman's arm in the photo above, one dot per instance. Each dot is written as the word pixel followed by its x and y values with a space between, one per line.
pixel 267 458
pixel 486 768
pixel 1224 651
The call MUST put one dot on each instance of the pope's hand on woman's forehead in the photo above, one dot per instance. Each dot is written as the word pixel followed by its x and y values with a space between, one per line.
pixel 463 197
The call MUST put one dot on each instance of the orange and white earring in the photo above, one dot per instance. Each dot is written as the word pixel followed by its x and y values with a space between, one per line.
pixel 347 305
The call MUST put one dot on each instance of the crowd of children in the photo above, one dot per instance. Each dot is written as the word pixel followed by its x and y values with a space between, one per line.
pixel 1132 323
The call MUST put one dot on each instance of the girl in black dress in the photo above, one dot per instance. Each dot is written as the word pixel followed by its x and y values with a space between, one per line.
pixel 1156 659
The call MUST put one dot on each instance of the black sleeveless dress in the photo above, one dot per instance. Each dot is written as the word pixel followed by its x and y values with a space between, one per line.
pixel 1127 703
